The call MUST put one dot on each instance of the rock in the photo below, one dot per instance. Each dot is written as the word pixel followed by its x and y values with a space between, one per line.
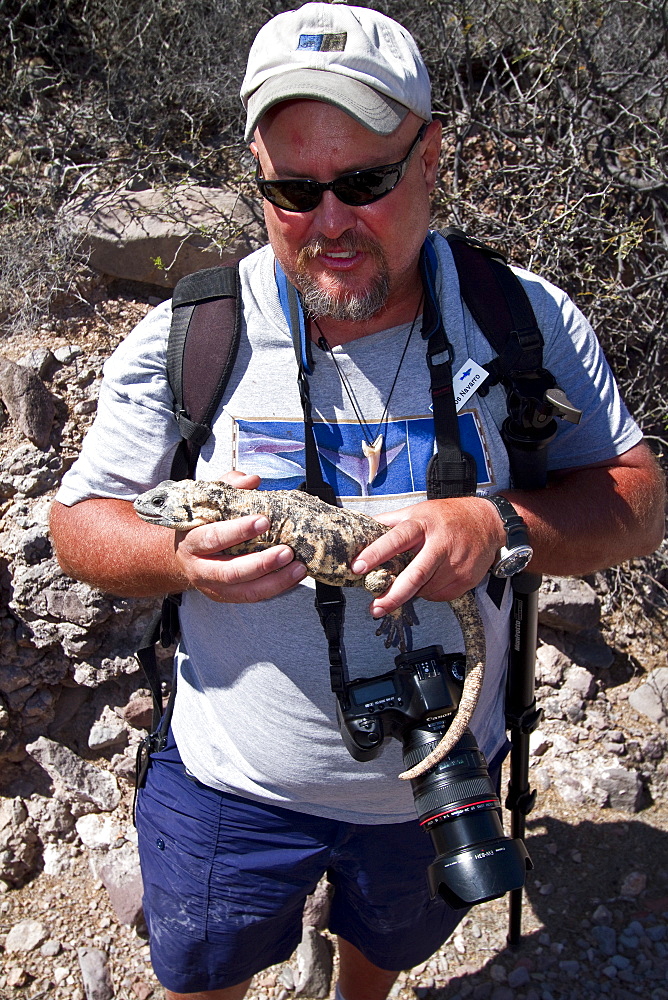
pixel 588 649
pixel 26 936
pixel 502 993
pixel 33 545
pixel 142 990
pixel 580 681
pixel 19 844
pixel 95 974
pixel 539 743
pixel 74 779
pixel 542 780
pixel 158 236
pixel 286 977
pixel 31 471
pixel 67 354
pixel 633 885
pixel 138 712
pixel 623 788
pixel 17 977
pixel 97 832
pixel 605 938
pixel 40 360
pixel 498 973
pixel 120 874
pixel 60 974
pixel 28 401
pixel 602 915
pixel 53 818
pixel 651 698
pixel 564 705
pixel 13 677
pixel 108 731
pixel 314 965
pixel 551 664
pixel 590 777
pixel 124 767
pixel 57 860
pixel 50 948
pixel 318 905
pixel 568 604
pixel 519 977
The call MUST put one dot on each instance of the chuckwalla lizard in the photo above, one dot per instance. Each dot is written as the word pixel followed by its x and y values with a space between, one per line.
pixel 326 539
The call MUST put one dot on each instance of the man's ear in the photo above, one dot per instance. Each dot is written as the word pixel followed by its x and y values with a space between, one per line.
pixel 431 153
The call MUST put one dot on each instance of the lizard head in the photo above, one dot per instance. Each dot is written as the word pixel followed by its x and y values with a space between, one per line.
pixel 174 505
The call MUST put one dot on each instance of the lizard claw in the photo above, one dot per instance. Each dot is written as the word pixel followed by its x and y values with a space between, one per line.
pixel 395 626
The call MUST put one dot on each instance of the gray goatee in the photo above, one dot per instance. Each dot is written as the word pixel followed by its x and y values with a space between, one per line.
pixel 345 306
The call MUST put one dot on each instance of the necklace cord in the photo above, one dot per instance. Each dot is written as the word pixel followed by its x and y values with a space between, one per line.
pixel 345 381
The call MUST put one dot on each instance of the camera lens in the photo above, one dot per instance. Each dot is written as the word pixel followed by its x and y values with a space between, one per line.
pixel 457 804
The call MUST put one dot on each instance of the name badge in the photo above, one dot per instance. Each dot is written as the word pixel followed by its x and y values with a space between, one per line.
pixel 468 380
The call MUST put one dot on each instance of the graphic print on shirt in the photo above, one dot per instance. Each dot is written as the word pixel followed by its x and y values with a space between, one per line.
pixel 274 450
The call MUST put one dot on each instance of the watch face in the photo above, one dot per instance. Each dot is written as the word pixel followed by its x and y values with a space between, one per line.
pixel 513 561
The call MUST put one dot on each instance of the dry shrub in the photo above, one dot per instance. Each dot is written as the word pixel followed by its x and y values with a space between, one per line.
pixel 555 119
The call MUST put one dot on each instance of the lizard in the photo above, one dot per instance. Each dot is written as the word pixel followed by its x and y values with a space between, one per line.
pixel 326 539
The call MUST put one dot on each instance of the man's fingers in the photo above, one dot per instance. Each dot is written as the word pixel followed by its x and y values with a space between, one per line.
pixel 212 539
pixel 203 554
pixel 405 536
pixel 242 480
pixel 249 589
pixel 411 580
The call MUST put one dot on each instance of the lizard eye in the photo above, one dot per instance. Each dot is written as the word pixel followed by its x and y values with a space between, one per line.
pixel 158 501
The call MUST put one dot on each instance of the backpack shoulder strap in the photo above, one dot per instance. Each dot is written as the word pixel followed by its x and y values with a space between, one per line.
pixel 503 312
pixel 201 350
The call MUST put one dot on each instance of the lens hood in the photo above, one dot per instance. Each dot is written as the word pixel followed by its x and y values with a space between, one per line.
pixel 477 874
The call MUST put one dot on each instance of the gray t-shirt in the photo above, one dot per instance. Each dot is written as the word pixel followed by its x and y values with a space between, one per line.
pixel 254 712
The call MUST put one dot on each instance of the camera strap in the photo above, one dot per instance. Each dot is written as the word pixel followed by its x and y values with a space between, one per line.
pixel 450 472
pixel 329 601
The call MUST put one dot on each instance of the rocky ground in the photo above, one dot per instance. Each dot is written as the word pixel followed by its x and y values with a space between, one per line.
pixel 596 910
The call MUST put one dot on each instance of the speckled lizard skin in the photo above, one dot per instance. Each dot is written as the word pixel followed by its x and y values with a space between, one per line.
pixel 326 539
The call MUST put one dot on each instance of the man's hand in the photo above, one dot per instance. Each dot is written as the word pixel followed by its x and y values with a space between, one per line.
pixel 201 557
pixel 587 519
pixel 455 542
pixel 104 543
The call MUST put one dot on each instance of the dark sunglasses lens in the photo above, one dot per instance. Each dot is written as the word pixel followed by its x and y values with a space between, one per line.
pixel 293 196
pixel 367 186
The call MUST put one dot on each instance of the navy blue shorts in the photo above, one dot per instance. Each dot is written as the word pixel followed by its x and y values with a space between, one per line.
pixel 225 880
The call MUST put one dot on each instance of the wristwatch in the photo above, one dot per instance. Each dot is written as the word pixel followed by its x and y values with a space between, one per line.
pixel 516 554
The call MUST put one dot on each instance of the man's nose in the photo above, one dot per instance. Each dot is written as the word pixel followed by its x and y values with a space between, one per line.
pixel 332 217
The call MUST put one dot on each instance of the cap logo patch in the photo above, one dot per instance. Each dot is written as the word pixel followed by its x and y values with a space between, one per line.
pixel 330 42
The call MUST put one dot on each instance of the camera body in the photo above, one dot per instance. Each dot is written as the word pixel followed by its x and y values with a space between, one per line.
pixel 456 801
pixel 425 686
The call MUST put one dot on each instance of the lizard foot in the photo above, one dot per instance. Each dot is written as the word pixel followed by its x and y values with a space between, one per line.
pixel 396 624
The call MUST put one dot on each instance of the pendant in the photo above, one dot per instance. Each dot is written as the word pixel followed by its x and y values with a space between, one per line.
pixel 372 453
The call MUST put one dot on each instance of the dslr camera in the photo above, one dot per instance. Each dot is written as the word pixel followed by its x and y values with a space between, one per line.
pixel 455 801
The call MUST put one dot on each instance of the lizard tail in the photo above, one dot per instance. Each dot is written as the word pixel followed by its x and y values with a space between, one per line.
pixel 468 616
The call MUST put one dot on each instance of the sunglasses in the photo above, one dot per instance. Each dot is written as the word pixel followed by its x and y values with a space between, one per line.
pixel 361 187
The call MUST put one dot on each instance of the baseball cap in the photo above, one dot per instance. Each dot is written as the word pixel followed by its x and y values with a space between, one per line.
pixel 355 58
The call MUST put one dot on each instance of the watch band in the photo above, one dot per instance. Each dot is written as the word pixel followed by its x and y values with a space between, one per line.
pixel 517 551
pixel 511 519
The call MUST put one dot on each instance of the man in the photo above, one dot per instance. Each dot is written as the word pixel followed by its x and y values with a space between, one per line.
pixel 255 796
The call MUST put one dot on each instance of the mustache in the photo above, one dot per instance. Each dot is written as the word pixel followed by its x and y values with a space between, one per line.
pixel 347 241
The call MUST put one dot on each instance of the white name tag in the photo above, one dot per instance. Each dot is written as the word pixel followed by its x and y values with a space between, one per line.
pixel 468 380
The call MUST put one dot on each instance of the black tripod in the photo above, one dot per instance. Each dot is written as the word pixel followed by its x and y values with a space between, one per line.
pixel 526 432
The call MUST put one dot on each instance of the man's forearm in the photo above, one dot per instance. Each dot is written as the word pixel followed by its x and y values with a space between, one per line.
pixel 594 518
pixel 104 543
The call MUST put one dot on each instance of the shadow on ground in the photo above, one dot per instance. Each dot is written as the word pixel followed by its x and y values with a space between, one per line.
pixel 577 868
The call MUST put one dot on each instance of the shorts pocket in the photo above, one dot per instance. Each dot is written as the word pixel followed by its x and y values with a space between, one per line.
pixel 175 872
